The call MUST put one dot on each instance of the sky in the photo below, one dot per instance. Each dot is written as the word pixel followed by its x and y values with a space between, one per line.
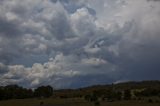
pixel 77 43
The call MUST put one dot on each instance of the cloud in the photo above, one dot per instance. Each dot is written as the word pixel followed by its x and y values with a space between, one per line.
pixel 153 0
pixel 94 61
pixel 38 74
pixel 68 43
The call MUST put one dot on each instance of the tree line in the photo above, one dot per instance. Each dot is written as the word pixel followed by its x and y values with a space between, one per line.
pixel 113 92
pixel 17 92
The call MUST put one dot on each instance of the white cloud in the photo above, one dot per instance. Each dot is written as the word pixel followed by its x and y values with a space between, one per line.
pixel 94 61
pixel 83 23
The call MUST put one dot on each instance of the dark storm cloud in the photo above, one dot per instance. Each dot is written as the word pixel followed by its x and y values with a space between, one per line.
pixel 9 29
pixel 68 43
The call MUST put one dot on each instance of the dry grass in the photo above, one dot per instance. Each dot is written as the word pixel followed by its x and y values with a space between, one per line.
pixel 73 102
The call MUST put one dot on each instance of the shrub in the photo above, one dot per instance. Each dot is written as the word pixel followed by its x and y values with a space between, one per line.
pixel 97 103
pixel 43 91
pixel 127 94
pixel 150 100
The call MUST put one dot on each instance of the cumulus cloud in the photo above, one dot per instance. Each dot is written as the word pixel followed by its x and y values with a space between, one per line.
pixel 38 74
pixel 68 43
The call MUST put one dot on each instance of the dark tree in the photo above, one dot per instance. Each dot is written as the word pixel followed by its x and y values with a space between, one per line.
pixel 15 92
pixel 91 97
pixel 2 93
pixel 127 94
pixel 43 91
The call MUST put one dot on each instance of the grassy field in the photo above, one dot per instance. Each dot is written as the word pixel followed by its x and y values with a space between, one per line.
pixel 73 102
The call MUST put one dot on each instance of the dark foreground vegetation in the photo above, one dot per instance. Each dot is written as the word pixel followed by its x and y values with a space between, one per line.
pixel 145 93
pixel 17 92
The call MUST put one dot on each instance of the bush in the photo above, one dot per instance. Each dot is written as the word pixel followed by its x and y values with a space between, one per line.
pixel 41 103
pixel 87 97
pixel 97 103
pixel 91 97
pixel 127 94
pixel 139 98
pixel 157 101
pixel 43 91
pixel 150 100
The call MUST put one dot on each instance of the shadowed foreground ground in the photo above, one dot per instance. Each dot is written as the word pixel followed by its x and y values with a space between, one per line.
pixel 73 102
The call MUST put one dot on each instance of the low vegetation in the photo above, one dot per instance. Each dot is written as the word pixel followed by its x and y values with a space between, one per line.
pixel 145 93
pixel 17 92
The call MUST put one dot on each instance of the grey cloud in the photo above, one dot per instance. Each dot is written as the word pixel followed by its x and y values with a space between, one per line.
pixel 8 29
pixel 153 0
pixel 78 43
pixel 3 68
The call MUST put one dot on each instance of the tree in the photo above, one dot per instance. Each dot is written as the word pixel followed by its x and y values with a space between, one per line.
pixel 43 91
pixel 1 93
pixel 127 94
